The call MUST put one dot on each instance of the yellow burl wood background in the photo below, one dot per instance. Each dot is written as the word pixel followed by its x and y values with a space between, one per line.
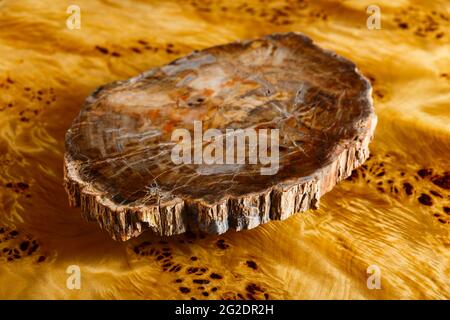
pixel 392 213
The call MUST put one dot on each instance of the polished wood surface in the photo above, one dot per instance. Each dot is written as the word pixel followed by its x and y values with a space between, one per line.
pixel 393 213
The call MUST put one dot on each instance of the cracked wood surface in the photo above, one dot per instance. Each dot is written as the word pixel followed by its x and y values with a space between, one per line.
pixel 118 166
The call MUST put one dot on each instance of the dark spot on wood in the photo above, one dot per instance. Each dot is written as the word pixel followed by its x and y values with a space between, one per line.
pixel 425 199
pixel 253 288
pixel 215 276
pixel 14 233
pixel 200 281
pixel 143 42
pixel 205 293
pixel 137 50
pixel 102 49
pixel 381 174
pixel 447 210
pixel 194 258
pixel 408 188
pixel 251 264
pixel 222 245
pixel 435 193
pixel 192 270
pixel 424 172
pixel 33 248
pixel 41 259
pixel 442 182
pixel 185 290
pixel 403 25
pixel 175 268
pixel 179 280
pixel 379 94
pixel 24 245
pixel 115 54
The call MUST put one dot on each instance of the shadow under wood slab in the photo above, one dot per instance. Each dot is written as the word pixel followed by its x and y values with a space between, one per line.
pixel 118 165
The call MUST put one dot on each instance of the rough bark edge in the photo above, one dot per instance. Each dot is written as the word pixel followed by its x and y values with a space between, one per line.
pixel 246 212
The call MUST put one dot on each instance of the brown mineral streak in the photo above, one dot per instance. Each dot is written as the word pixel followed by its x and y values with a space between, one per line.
pixel 318 100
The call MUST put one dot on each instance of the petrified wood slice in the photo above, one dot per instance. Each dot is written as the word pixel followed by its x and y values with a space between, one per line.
pixel 118 165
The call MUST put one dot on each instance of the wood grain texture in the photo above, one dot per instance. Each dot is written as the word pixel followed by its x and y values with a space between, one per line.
pixel 393 212
pixel 118 165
